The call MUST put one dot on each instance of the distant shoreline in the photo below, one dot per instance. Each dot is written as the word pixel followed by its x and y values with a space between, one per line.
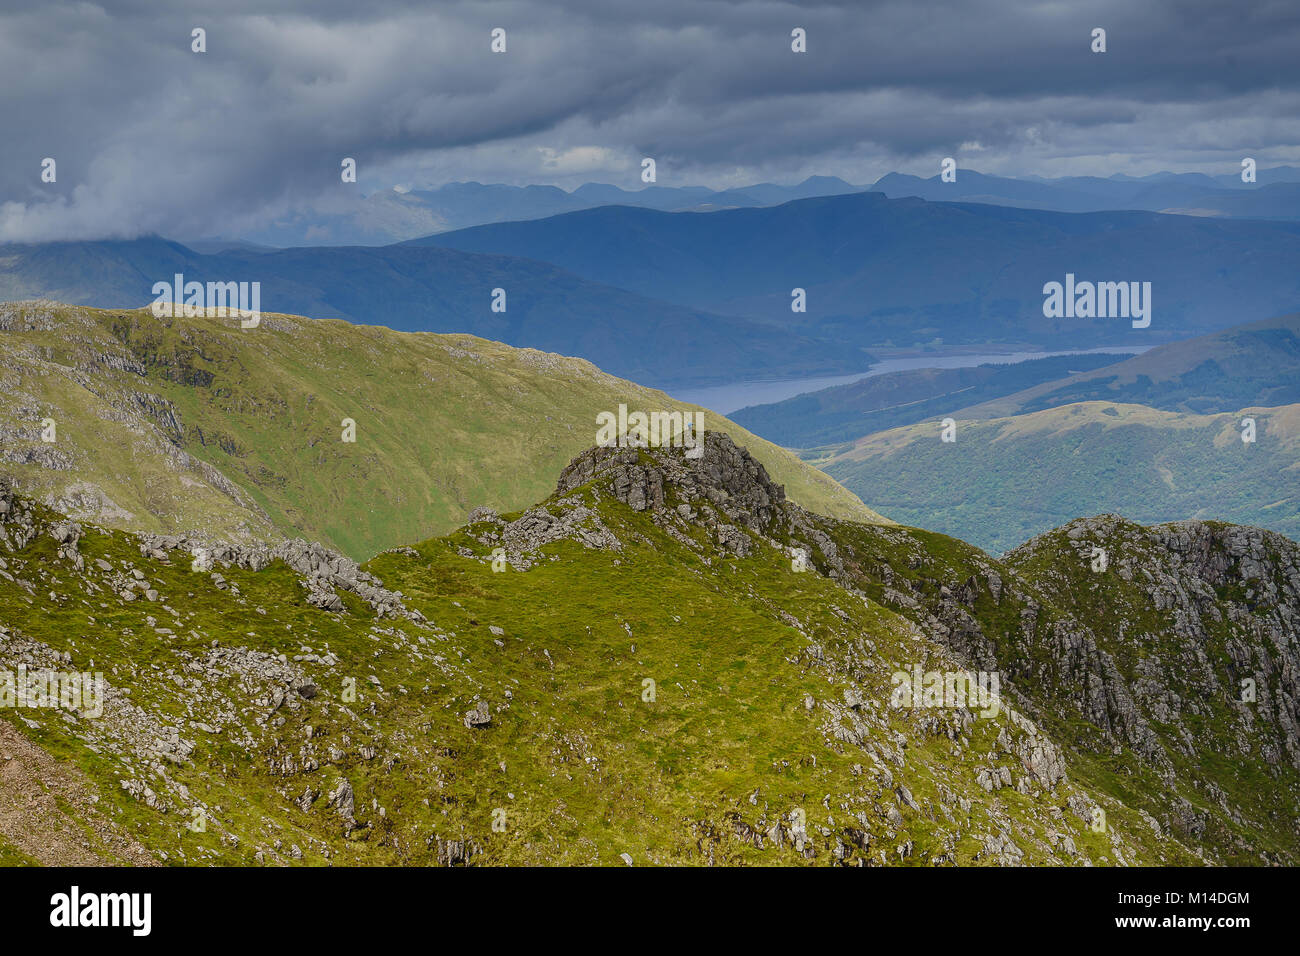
pixel 727 399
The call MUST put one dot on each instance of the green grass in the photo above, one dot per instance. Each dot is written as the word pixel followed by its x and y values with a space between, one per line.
pixel 583 767
pixel 9 856
pixel 1005 480
pixel 444 424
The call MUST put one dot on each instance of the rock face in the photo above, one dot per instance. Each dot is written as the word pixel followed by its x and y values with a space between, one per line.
pixel 321 569
pixel 1189 619
pixel 1181 648
pixel 724 474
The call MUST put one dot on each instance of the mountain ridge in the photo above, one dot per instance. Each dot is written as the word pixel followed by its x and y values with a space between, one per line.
pixel 1005 479
pixel 1187 375
pixel 881 272
pixel 734 708
pixel 1274 195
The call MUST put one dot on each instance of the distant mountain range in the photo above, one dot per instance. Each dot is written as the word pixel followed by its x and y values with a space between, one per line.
pixel 879 272
pixel 394 215
pixel 846 412
pixel 1274 195
pixel 688 298
pixel 1257 363
pixel 1253 364
pixel 428 289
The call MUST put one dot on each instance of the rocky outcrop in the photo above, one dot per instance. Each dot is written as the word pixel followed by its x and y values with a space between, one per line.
pixel 1206 617
pixel 321 570
pixel 36 315
pixel 518 542
pixel 479 716
pixel 725 475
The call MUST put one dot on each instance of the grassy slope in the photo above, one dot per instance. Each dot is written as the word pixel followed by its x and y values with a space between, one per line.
pixel 1005 480
pixel 583 766
pixel 11 857
pixel 445 423
pixel 1257 363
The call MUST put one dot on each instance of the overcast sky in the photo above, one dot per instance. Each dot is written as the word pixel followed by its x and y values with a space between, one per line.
pixel 149 136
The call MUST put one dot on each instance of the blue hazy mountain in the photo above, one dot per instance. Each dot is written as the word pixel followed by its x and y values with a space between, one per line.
pixel 905 272
pixel 691 298
pixel 413 288
pixel 1256 363
pixel 843 413
pixel 393 215
pixel 1274 195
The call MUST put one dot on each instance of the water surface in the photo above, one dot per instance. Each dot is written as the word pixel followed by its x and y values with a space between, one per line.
pixel 725 399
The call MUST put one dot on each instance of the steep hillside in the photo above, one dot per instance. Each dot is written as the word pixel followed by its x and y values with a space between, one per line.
pixel 635 671
pixel 902 272
pixel 1163 659
pixel 1257 363
pixel 196 424
pixel 1005 479
pixel 421 289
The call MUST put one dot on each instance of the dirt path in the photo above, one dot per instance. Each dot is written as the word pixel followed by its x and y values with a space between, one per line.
pixel 31 784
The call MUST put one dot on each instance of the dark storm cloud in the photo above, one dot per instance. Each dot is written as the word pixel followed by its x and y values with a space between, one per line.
pixel 149 136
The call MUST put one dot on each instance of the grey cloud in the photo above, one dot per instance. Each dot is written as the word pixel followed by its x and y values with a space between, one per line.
pixel 150 137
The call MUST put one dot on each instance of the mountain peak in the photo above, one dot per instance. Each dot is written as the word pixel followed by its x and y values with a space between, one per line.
pixel 722 473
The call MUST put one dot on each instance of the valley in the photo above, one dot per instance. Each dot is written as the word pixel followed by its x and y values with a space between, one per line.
pixel 1204 427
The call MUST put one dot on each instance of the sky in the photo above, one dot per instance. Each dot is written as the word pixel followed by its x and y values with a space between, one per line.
pixel 149 136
